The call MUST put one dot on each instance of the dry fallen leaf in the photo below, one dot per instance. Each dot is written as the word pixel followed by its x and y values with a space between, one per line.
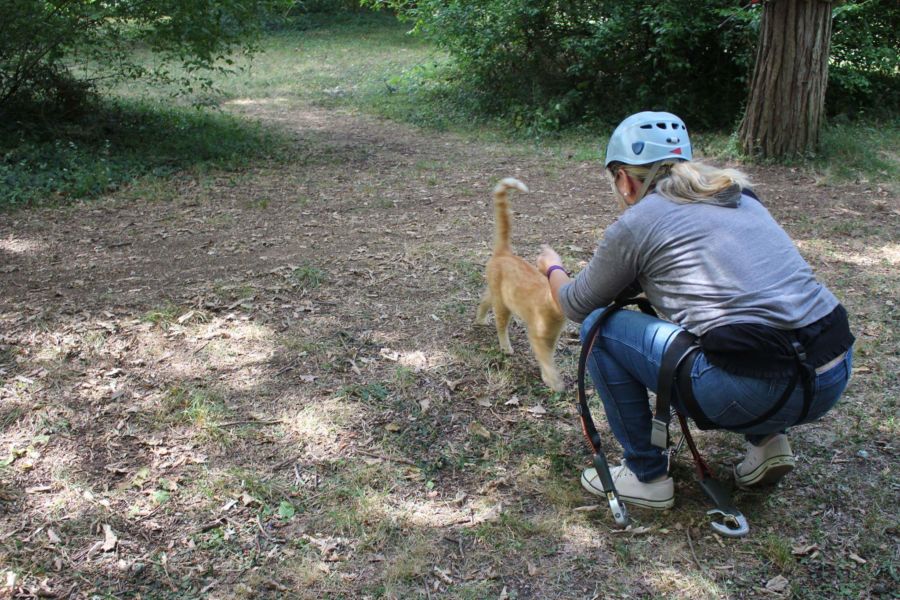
pixel 109 539
pixel 443 575
pixel 857 558
pixel 392 427
pixel 51 535
pixel 514 401
pixel 537 410
pixel 777 584
pixel 587 508
pixel 804 550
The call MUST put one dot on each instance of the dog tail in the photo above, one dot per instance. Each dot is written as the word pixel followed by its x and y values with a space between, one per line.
pixel 501 212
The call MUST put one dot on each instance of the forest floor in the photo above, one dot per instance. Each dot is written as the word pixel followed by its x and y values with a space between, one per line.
pixel 269 384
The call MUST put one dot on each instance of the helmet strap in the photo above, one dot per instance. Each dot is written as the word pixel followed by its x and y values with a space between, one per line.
pixel 623 203
pixel 648 181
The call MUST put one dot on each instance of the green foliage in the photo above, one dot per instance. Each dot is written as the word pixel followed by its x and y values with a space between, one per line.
pixel 41 41
pixel 95 152
pixel 549 65
pixel 864 75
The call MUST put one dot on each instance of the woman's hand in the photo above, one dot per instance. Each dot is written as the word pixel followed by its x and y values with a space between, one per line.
pixel 547 258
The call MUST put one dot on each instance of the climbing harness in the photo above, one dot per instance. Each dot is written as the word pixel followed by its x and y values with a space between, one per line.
pixel 678 357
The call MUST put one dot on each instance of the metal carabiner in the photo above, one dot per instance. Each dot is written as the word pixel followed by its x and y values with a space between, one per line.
pixel 734 524
pixel 619 512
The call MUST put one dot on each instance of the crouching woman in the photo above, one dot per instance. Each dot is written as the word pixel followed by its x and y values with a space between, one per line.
pixel 775 345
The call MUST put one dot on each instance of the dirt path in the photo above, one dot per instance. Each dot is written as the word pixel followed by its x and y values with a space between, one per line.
pixel 268 384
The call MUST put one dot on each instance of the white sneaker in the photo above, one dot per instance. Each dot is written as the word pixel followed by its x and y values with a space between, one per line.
pixel 765 464
pixel 659 494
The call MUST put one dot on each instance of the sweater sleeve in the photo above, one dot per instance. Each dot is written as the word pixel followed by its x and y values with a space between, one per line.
pixel 613 267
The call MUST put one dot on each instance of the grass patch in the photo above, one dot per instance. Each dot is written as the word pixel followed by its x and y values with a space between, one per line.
pixel 162 316
pixel 116 142
pixel 866 152
pixel 201 409
pixel 374 392
pixel 307 276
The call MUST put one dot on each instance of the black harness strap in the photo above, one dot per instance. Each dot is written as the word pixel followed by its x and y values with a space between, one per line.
pixel 683 345
pixel 804 374
pixel 620 513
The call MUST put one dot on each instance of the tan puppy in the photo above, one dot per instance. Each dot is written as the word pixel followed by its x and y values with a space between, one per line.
pixel 517 287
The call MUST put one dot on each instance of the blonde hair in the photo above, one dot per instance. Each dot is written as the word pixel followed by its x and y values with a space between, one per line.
pixel 685 182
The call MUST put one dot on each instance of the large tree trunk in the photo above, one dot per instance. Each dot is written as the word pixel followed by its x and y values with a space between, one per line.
pixel 787 93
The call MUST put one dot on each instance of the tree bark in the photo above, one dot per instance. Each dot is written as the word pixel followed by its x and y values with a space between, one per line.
pixel 786 102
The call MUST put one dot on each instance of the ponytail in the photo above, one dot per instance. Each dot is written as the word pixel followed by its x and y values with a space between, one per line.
pixel 685 182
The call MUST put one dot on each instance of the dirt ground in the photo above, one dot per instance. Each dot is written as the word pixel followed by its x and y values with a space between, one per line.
pixel 269 384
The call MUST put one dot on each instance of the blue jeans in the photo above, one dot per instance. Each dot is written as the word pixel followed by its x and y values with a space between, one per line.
pixel 625 362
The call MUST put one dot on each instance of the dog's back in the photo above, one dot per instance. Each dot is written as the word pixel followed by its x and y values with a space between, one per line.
pixel 516 286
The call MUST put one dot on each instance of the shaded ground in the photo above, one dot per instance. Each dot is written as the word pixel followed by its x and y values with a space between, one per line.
pixel 268 384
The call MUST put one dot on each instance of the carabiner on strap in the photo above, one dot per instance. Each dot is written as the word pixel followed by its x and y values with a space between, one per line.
pixel 733 524
pixel 619 512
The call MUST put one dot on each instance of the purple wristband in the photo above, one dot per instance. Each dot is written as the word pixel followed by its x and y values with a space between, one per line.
pixel 554 268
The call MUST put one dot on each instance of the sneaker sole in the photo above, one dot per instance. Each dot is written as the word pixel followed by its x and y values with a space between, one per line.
pixel 642 502
pixel 769 472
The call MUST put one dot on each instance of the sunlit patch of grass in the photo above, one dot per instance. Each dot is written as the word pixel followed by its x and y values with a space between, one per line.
pixel 414 558
pixel 675 582
pixel 511 532
pixel 319 425
pixel 356 505
pixel 202 409
pixel 778 551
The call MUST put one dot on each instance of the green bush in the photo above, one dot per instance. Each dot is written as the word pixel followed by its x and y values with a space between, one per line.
pixel 864 75
pixel 551 64
pixel 561 62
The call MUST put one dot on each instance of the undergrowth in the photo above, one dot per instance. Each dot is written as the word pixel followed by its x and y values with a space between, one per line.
pixel 53 159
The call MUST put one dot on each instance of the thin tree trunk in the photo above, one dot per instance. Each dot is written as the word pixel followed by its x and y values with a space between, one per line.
pixel 787 92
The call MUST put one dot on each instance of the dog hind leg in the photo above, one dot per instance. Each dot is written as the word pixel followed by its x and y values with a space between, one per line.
pixel 502 316
pixel 481 317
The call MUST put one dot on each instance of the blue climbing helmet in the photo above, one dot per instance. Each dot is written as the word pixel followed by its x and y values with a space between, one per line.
pixel 648 137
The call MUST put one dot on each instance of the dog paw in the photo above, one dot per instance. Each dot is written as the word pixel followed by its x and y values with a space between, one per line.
pixel 555 383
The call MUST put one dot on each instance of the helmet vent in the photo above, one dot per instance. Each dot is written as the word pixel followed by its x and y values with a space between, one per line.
pixel 661 125
pixel 647 126
pixel 637 147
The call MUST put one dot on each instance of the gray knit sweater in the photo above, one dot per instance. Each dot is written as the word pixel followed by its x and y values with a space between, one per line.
pixel 702 266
